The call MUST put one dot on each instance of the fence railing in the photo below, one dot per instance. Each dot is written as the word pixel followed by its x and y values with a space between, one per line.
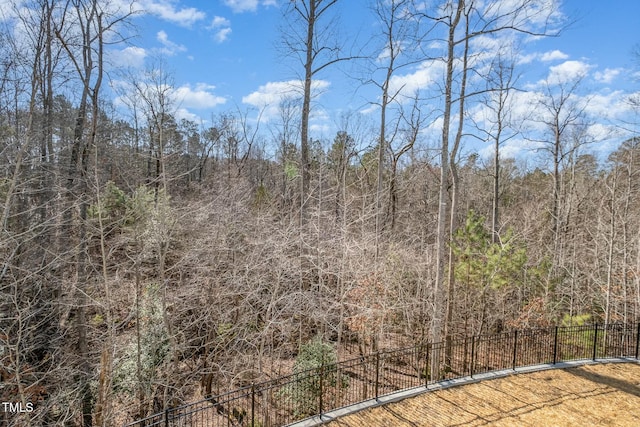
pixel 298 396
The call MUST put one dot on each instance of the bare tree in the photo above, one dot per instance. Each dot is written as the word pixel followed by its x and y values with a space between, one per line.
pixel 285 133
pixel 83 30
pixel 562 112
pixel 463 21
pixel 156 91
pixel 396 52
pixel 412 123
pixel 26 306
pixel 34 269
pixel 311 38
pixel 499 124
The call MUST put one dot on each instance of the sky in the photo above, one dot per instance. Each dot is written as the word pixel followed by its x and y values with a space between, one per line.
pixel 222 55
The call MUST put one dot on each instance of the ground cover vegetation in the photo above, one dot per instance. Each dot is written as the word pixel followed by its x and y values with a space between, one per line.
pixel 570 397
pixel 147 261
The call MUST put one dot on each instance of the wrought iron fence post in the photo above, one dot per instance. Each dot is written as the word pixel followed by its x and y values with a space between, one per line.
pixel 638 341
pixel 320 403
pixel 426 362
pixel 377 373
pixel 166 417
pixel 595 341
pixel 473 348
pixel 555 345
pixel 253 404
pixel 515 348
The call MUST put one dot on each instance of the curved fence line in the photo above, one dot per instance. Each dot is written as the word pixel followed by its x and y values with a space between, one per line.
pixel 295 397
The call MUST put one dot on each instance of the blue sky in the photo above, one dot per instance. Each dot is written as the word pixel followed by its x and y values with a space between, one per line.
pixel 222 56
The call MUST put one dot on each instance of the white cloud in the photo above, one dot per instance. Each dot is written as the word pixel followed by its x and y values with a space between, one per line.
pixel 320 128
pixel 183 113
pixel 199 97
pixel 399 47
pixel 527 59
pixel 600 110
pixel 221 27
pixel 607 75
pixel 269 96
pixel 182 99
pixel 511 149
pixel 222 35
pixel 131 56
pixel 426 74
pixel 369 109
pixel 530 15
pixel 554 55
pixel 436 125
pixel 170 48
pixel 239 6
pixel 273 93
pixel 166 10
pixel 437 45
pixel 219 22
pixel 489 44
pixel 599 132
pixel 611 105
pixel 568 71
pixel 9 9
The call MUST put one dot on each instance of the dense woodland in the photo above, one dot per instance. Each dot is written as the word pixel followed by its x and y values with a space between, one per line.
pixel 147 261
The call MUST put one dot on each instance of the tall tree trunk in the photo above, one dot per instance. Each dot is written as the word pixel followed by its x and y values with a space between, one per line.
pixel 455 184
pixel 305 162
pixel 611 238
pixel 442 233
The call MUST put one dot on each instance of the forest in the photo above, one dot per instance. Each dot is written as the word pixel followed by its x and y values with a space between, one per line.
pixel 148 260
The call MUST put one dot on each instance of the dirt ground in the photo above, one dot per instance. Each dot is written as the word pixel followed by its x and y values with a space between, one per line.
pixel 592 395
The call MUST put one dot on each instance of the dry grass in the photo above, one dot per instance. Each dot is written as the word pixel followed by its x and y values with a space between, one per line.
pixel 593 395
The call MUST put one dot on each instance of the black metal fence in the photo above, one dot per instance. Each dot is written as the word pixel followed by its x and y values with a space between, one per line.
pixel 295 397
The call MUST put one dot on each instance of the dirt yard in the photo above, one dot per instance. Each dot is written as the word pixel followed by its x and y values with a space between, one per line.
pixel 593 395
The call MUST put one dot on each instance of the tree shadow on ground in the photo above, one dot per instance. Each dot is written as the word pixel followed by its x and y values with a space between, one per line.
pixel 525 397
pixel 613 382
